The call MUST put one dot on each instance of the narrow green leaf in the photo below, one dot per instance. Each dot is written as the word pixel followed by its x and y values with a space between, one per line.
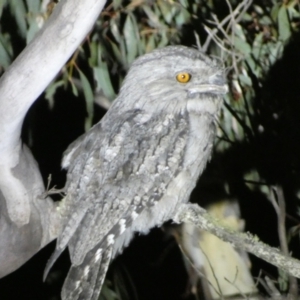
pixel 89 99
pixel 153 17
pixel 242 46
pixel 168 11
pixel 33 6
pixel 51 90
pixel 283 280
pixel 102 78
pixel 293 13
pixel 184 3
pixel 129 32
pixel 33 14
pixel 283 24
pixel 6 51
pixel 3 3
pixel 94 54
pixel 240 41
pixel 74 88
pixel 114 27
pixel 275 52
pixel 257 45
pixel 265 20
pixel 182 17
pixel 18 9
pixel 33 29
pixel 164 39
pixel 274 12
pixel 117 4
pixel 150 44
pixel 245 80
pixel 116 51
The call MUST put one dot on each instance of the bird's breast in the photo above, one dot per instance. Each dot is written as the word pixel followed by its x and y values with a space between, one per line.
pixel 199 143
pixel 204 104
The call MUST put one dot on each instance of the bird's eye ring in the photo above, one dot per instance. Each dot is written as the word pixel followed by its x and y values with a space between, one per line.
pixel 183 77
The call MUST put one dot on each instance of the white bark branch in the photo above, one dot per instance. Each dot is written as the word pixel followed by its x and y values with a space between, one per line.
pixel 192 213
pixel 28 223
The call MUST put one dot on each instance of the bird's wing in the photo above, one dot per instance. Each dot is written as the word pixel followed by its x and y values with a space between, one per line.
pixel 115 175
pixel 131 169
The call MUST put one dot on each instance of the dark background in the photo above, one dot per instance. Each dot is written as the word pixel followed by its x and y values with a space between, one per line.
pixel 152 267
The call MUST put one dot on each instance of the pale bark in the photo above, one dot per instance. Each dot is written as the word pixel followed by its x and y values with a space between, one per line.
pixel 27 222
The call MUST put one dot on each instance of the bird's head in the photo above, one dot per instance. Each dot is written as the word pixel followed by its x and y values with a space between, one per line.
pixel 175 78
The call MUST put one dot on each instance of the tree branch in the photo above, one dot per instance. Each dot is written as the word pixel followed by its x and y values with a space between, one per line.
pixel 192 213
pixel 28 223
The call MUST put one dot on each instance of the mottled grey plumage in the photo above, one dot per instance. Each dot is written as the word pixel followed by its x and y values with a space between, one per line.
pixel 132 170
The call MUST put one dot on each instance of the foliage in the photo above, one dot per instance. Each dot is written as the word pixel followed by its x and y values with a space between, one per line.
pixel 258 128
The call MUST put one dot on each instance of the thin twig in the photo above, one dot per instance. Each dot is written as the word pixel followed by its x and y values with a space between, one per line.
pixel 278 202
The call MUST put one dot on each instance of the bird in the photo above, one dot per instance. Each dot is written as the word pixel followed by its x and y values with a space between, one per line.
pixel 131 171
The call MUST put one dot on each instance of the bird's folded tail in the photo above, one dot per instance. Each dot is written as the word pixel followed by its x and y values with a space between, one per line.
pixel 55 255
pixel 84 282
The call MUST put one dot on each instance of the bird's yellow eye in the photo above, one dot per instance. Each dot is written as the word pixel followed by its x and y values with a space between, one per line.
pixel 183 77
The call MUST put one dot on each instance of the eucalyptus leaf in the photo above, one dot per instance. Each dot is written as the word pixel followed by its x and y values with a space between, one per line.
pixel 117 4
pixel 245 80
pixel 293 13
pixel 17 8
pixel 274 11
pixel 116 52
pixel 182 17
pixel 93 59
pixel 242 46
pixel 3 3
pixel 115 30
pixel 276 52
pixel 131 40
pixel 184 3
pixel 51 90
pixel 74 89
pixel 5 51
pixel 253 176
pixel 257 45
pixel 265 20
pixel 32 30
pixel 167 11
pixel 101 75
pixel 89 100
pixel 108 294
pixel 150 44
pixel 152 17
pixel 164 39
pixel 283 280
pixel 33 6
pixel 283 24
pixel 123 53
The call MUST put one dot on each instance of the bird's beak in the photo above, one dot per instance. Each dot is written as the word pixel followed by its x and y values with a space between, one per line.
pixel 216 85
pixel 210 88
